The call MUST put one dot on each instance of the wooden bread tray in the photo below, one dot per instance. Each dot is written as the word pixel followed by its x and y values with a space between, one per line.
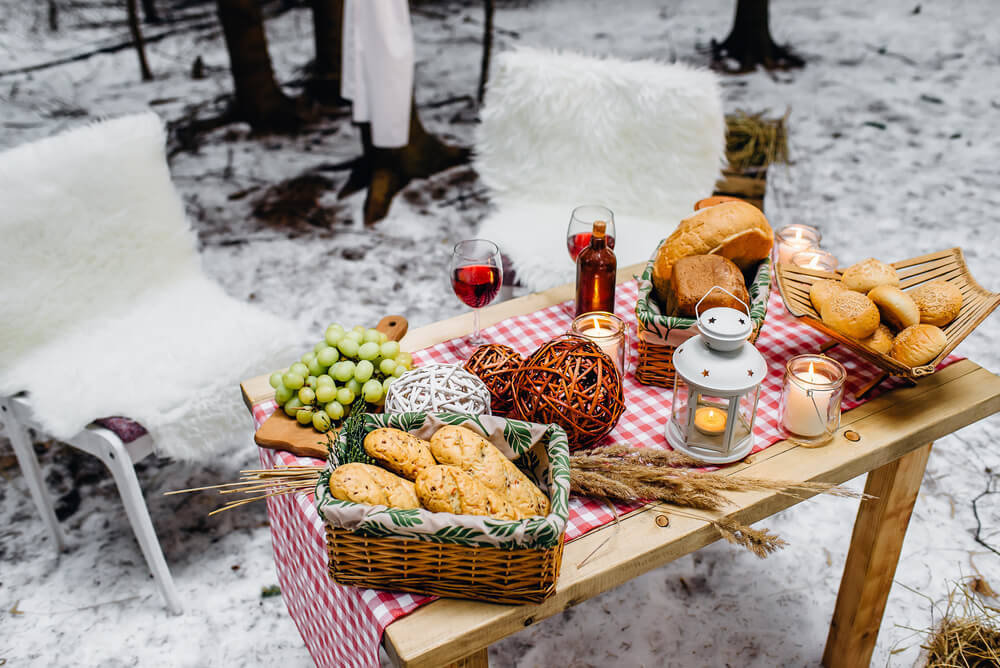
pixel 949 265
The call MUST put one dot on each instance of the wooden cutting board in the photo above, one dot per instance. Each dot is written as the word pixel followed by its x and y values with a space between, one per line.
pixel 280 432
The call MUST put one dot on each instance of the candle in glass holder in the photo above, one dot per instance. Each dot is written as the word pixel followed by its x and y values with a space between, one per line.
pixel 710 420
pixel 606 330
pixel 815 259
pixel 795 239
pixel 810 400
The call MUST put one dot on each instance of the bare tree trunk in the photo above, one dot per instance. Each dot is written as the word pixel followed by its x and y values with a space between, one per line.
pixel 140 46
pixel 328 31
pixel 259 99
pixel 53 16
pixel 484 70
pixel 386 171
pixel 750 43
pixel 149 12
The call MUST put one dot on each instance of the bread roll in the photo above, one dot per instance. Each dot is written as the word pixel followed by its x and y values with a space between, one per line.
pixel 399 451
pixel 880 341
pixel 694 276
pixel 449 489
pixel 867 275
pixel 822 291
pixel 851 313
pixel 939 302
pixel 364 483
pixel 713 200
pixel 918 345
pixel 895 306
pixel 735 230
pixel 478 457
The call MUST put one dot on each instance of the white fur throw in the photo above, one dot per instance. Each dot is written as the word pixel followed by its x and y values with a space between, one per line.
pixel 104 309
pixel 559 130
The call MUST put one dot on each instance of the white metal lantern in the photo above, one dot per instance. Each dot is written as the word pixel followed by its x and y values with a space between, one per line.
pixel 716 387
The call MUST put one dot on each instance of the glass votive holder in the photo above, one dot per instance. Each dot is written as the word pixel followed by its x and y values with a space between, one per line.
pixel 608 331
pixel 810 399
pixel 793 239
pixel 815 258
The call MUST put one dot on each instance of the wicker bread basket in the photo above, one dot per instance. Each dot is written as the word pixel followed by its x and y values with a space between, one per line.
pixel 948 265
pixel 458 556
pixel 659 335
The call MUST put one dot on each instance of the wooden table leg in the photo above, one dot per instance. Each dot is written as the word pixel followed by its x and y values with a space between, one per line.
pixel 871 561
pixel 480 659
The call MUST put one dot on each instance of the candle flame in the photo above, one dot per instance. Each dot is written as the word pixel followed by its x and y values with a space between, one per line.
pixel 813 263
pixel 811 369
pixel 798 235
pixel 597 325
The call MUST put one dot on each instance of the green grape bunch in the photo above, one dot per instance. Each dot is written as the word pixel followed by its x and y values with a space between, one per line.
pixel 347 367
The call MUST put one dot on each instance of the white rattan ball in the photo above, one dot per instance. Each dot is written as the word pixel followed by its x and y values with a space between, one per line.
pixel 438 387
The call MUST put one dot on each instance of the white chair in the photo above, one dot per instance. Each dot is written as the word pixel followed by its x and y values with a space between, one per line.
pixel 558 130
pixel 104 311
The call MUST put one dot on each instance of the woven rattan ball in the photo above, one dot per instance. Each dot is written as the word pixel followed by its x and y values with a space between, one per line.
pixel 495 364
pixel 437 388
pixel 571 382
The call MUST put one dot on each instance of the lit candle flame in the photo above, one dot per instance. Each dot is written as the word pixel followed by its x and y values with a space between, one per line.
pixel 798 235
pixel 597 325
pixel 813 263
pixel 812 371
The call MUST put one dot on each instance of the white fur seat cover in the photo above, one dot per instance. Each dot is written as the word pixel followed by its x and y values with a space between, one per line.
pixel 559 130
pixel 104 309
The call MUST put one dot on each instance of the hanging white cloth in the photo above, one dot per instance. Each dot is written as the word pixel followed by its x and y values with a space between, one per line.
pixel 378 67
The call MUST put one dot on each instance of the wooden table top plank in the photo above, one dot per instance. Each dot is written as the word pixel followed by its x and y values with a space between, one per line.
pixel 890 427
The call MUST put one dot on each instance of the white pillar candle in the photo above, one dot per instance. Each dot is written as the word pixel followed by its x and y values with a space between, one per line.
pixel 600 336
pixel 607 331
pixel 802 415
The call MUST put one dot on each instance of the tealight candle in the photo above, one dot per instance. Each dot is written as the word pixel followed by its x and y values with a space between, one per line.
pixel 606 330
pixel 815 259
pixel 794 239
pixel 810 401
pixel 710 420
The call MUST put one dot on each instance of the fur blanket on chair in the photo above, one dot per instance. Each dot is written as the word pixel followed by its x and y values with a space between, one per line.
pixel 104 309
pixel 559 130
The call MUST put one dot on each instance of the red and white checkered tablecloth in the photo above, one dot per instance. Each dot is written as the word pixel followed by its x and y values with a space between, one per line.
pixel 342 626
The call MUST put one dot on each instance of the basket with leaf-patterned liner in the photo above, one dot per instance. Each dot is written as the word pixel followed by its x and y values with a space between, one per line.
pixel 461 556
pixel 659 335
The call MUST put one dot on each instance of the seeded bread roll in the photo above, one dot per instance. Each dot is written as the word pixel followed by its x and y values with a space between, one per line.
pixel 939 302
pixel 822 291
pixel 918 345
pixel 867 275
pixel 851 313
pixel 364 483
pixel 399 451
pixel 449 489
pixel 895 306
pixel 475 455
pixel 880 341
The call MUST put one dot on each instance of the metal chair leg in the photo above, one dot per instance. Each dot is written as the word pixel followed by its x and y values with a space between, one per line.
pixel 25 454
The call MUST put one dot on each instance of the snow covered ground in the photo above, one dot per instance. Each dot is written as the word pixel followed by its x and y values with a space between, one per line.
pixel 894 155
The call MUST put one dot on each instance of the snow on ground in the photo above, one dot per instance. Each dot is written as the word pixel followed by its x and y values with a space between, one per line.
pixel 894 156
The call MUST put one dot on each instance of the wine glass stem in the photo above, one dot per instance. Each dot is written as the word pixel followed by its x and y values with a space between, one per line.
pixel 475 327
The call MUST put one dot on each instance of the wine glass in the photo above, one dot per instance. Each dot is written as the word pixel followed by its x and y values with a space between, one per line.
pixel 476 275
pixel 581 226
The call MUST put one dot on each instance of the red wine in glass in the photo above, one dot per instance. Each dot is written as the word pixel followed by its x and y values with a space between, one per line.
pixel 575 243
pixel 476 284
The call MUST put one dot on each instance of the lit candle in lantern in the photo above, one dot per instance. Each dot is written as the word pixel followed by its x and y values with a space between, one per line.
pixel 710 420
pixel 807 415
pixel 794 239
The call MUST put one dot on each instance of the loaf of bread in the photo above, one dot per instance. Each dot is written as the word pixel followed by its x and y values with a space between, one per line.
pixel 822 291
pixel 867 275
pixel 467 450
pixel 895 306
pixel 694 276
pixel 851 313
pixel 918 345
pixel 735 230
pixel 399 451
pixel 363 483
pixel 713 200
pixel 449 489
pixel 880 341
pixel 939 302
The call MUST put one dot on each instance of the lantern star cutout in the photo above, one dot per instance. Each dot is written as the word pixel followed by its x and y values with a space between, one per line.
pixel 705 373
pixel 742 321
pixel 711 321
pixel 750 372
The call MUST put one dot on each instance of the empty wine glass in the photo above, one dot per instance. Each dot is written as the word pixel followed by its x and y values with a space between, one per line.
pixel 476 276
pixel 581 226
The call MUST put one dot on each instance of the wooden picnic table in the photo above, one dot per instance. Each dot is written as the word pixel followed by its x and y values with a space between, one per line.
pixel 892 441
